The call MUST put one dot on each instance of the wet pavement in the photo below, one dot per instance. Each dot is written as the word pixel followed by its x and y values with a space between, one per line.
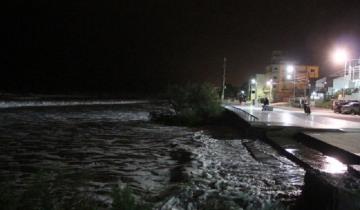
pixel 306 156
pixel 297 118
pixel 342 134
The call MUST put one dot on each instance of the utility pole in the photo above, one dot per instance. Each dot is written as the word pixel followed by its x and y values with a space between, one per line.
pixel 294 93
pixel 223 80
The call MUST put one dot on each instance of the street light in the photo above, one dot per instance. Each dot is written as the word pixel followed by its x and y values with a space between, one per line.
pixel 252 83
pixel 341 56
pixel 290 70
pixel 270 83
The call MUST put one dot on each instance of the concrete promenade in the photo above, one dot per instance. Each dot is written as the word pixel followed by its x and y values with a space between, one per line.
pixel 335 132
pixel 287 116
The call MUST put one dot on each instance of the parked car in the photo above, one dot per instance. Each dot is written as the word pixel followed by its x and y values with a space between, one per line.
pixel 339 103
pixel 351 108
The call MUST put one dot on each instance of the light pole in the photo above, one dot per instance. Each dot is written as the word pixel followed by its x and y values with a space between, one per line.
pixel 340 56
pixel 290 70
pixel 270 84
pixel 253 84
pixel 223 81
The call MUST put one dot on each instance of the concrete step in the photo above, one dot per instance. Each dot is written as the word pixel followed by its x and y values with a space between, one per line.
pixel 307 157
pixel 343 146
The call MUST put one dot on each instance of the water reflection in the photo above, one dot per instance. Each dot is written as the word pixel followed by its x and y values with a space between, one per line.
pixel 291 151
pixel 333 166
pixel 287 119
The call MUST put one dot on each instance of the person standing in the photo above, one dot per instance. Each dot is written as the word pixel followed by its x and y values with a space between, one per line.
pixel 307 108
pixel 265 104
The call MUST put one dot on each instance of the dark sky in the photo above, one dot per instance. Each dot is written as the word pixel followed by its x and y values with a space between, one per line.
pixel 117 45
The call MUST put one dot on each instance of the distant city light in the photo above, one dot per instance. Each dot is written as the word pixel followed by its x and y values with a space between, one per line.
pixel 288 76
pixel 253 81
pixel 269 82
pixel 242 92
pixel 340 56
pixel 290 69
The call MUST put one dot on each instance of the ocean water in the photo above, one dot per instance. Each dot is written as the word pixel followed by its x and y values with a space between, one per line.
pixel 99 146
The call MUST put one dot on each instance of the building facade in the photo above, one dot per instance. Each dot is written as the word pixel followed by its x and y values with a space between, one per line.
pixel 286 81
pixel 257 86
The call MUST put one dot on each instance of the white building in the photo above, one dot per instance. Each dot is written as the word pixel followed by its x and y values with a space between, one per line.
pixel 352 71
pixel 342 83
pixel 257 85
pixel 320 84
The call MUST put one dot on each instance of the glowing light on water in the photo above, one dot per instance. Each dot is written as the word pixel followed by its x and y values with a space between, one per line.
pixel 333 166
pixel 291 151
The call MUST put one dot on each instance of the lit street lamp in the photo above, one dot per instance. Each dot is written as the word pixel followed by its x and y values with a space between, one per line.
pixel 290 70
pixel 268 83
pixel 340 56
pixel 251 85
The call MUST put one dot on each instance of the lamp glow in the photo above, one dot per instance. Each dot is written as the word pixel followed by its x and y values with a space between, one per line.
pixel 269 82
pixel 340 56
pixel 290 69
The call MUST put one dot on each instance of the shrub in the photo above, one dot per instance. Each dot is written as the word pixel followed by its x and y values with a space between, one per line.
pixel 194 103
pixel 324 104
pixel 123 199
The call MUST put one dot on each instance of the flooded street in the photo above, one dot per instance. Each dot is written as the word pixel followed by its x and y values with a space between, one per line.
pixel 170 167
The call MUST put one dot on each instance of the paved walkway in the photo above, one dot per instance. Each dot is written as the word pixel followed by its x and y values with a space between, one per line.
pixel 321 120
pixel 287 116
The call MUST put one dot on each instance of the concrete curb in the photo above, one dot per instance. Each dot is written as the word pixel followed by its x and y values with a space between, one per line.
pixel 328 149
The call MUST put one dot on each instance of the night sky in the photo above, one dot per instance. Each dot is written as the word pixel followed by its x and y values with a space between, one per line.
pixel 142 46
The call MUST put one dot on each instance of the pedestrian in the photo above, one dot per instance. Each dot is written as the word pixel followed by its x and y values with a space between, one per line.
pixel 307 109
pixel 265 104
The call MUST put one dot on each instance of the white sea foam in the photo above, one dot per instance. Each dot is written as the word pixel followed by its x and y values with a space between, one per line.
pixel 42 103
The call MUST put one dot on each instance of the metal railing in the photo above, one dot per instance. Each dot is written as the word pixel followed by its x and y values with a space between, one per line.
pixel 243 114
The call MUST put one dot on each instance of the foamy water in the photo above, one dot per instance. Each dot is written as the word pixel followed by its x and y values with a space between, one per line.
pixel 171 167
